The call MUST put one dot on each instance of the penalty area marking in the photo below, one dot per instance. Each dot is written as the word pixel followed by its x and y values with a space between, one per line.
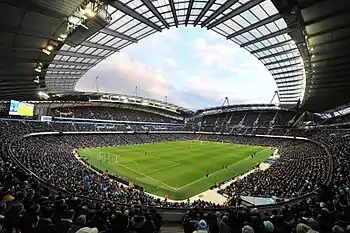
pixel 160 182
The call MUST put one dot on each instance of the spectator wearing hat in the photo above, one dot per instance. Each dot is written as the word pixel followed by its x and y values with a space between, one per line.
pixel 247 229
pixel 202 227
pixel 79 223
pixel 269 227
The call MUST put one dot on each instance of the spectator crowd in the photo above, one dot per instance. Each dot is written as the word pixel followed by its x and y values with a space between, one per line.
pixel 86 201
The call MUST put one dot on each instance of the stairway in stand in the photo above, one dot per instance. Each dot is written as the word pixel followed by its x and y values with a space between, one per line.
pixel 172 228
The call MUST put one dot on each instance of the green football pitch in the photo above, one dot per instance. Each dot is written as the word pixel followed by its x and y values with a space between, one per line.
pixel 177 168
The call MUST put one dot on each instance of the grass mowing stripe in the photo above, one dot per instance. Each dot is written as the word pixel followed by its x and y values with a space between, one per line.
pixel 162 168
pixel 234 164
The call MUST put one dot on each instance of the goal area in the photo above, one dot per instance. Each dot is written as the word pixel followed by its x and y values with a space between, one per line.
pixel 107 157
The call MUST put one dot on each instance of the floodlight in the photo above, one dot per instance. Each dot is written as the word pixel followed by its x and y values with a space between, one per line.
pixel 43 95
pixel 36 80
pixel 47 52
pixel 37 69
pixel 91 13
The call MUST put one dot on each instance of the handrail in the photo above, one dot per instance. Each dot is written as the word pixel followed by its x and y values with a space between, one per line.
pixel 261 207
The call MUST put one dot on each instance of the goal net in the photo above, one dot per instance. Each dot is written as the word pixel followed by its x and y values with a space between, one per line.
pixel 107 157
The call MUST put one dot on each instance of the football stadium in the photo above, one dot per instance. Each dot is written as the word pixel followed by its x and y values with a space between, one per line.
pixel 89 161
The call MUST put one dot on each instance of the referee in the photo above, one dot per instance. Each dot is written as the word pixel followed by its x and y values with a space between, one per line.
pixel 206 174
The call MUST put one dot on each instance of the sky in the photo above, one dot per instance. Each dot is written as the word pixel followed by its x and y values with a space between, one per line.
pixel 194 67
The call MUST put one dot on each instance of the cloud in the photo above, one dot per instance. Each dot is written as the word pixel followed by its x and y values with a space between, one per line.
pixel 171 62
pixel 122 74
pixel 194 68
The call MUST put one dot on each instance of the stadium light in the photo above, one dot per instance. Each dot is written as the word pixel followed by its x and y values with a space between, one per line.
pixel 43 95
pixel 38 67
pixel 36 80
pixel 48 49
pixel 89 10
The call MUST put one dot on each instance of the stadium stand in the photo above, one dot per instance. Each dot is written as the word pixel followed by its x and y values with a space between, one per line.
pixel 47 46
pixel 116 114
pixel 301 161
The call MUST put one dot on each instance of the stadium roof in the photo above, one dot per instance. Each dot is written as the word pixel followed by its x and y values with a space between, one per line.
pixel 119 98
pixel 301 42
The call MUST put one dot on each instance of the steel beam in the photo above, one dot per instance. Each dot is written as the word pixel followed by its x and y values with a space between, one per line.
pixel 204 11
pixel 131 12
pixel 266 37
pixel 65 69
pixel 289 81
pixel 255 25
pixel 271 46
pixel 283 60
pixel 290 98
pixel 63 76
pixel 235 12
pixel 118 35
pixel 99 46
pixel 290 93
pixel 278 54
pixel 287 71
pixel 280 84
pixel 75 54
pixel 283 67
pixel 291 76
pixel 173 11
pixel 71 63
pixel 155 12
pixel 220 10
pixel 189 9
pixel 283 90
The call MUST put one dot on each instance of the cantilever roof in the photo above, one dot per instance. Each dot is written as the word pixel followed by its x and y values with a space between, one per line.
pixel 255 25
pixel 304 43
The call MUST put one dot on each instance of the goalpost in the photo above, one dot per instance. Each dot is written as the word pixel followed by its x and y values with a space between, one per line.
pixel 107 157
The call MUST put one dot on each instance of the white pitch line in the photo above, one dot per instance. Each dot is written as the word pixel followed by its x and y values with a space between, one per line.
pixel 162 168
pixel 147 176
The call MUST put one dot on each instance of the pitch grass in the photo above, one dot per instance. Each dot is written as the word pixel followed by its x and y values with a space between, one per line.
pixel 178 168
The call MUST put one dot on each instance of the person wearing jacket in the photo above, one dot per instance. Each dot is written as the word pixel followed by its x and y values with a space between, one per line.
pixel 139 223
